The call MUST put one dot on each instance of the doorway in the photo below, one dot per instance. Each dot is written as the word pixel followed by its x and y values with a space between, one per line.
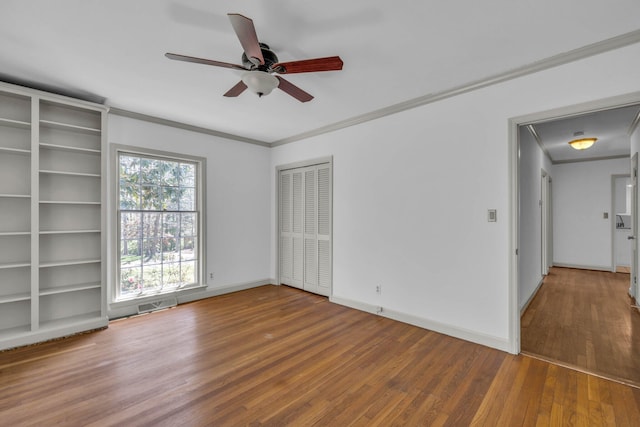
pixel 546 248
pixel 305 225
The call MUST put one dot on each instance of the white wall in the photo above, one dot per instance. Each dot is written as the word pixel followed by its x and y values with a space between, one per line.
pixel 238 198
pixel 532 161
pixel 411 193
pixel 581 195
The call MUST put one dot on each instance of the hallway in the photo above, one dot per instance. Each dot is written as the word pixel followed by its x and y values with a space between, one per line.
pixel 584 319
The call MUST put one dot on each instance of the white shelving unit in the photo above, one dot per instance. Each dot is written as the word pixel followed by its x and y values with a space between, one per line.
pixel 52 216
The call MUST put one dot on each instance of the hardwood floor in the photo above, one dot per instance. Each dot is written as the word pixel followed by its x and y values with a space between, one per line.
pixel 584 319
pixel 279 356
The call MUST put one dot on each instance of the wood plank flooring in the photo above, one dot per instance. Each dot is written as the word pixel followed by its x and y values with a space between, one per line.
pixel 584 319
pixel 277 356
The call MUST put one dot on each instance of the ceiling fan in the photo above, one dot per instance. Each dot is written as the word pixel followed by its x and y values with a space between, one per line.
pixel 260 63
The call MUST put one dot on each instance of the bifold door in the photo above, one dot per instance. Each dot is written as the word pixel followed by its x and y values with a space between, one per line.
pixel 305 228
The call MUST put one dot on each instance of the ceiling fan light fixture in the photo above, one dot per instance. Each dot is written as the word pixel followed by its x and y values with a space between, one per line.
pixel 260 82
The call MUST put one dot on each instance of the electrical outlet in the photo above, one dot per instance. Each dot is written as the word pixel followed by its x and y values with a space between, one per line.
pixel 379 289
pixel 210 276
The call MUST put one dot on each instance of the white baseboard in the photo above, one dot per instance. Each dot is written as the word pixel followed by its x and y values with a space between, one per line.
pixel 533 295
pixel 47 334
pixel 584 267
pixel 432 325
pixel 227 289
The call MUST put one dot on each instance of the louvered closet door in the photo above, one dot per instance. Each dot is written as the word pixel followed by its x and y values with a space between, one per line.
pixel 305 228
pixel 324 229
pixel 310 231
pixel 291 267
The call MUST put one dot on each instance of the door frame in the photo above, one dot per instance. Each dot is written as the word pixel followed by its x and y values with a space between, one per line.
pixel 633 278
pixel 297 165
pixel 614 216
pixel 546 239
pixel 514 191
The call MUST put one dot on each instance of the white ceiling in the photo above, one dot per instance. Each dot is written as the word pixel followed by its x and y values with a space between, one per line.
pixel 113 52
pixel 611 127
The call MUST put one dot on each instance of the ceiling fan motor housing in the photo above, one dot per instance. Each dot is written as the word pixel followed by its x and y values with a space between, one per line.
pixel 270 58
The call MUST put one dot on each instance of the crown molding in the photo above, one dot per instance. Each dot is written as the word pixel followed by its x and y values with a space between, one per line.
pixel 534 67
pixel 535 135
pixel 180 125
pixel 634 124
pixel 591 159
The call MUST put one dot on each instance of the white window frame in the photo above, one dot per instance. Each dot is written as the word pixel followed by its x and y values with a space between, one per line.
pixel 200 208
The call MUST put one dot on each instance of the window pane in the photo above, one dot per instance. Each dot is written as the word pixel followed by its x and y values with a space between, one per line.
pixel 187 175
pixel 130 225
pixel 188 199
pixel 129 196
pixel 171 274
pixel 130 253
pixel 151 200
pixel 150 171
pixel 188 272
pixel 170 174
pixel 188 224
pixel 171 198
pixel 151 251
pixel 130 281
pixel 170 223
pixel 129 170
pixel 187 248
pixel 152 275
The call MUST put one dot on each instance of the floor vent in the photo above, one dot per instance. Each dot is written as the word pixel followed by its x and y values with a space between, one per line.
pixel 148 307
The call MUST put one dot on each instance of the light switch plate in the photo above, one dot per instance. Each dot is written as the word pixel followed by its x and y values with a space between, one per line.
pixel 605 215
pixel 492 215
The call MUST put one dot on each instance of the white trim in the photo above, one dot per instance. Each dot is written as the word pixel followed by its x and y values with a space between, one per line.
pixel 613 219
pixel 634 125
pixel 544 64
pixel 592 159
pixel 50 333
pixel 432 325
pixel 305 163
pixel 514 123
pixel 533 295
pixel 535 135
pixel 221 290
pixel 129 307
pixel 180 125
pixel 514 240
pixel 608 268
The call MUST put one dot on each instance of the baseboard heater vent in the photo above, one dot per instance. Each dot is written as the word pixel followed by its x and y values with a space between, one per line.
pixel 148 307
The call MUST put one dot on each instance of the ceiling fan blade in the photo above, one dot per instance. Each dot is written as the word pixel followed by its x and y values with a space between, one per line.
pixel 330 63
pixel 236 90
pixel 246 33
pixel 185 58
pixel 294 90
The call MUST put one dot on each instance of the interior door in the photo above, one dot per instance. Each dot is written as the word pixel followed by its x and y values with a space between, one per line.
pixel 633 286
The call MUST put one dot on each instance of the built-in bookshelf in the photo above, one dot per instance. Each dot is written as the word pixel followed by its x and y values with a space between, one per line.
pixel 52 207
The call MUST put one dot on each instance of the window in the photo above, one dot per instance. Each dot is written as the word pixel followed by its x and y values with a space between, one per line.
pixel 159 224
